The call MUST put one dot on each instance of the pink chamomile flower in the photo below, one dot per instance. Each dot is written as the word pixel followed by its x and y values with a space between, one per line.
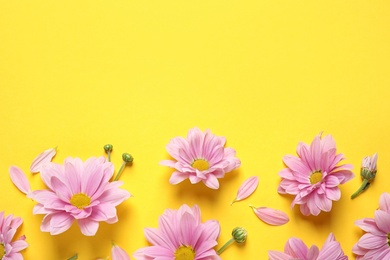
pixel 181 236
pixel 313 177
pixel 78 191
pixel 9 249
pixel 375 243
pixel 296 249
pixel 200 157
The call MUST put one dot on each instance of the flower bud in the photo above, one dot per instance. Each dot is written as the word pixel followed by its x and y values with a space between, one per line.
pixel 108 147
pixel 368 170
pixel 239 234
pixel 127 157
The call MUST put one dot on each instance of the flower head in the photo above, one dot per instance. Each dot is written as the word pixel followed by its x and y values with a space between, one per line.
pixel 314 176
pixel 375 243
pixel 181 236
pixel 200 157
pixel 296 249
pixel 78 191
pixel 9 249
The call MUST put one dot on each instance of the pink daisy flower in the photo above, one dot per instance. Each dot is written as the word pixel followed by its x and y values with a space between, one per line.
pixel 78 191
pixel 314 176
pixel 9 250
pixel 296 249
pixel 200 157
pixel 375 244
pixel 181 236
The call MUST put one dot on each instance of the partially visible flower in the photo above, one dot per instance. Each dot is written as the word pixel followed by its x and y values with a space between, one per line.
pixel 247 188
pixel 314 176
pixel 271 216
pixel 181 236
pixel 10 250
pixel 296 249
pixel 200 157
pixel 44 157
pixel 367 172
pixel 79 191
pixel 375 243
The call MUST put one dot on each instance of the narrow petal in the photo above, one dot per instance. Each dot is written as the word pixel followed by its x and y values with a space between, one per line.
pixel 211 182
pixel 19 179
pixel 246 188
pixel 44 157
pixel 271 216
pixel 118 253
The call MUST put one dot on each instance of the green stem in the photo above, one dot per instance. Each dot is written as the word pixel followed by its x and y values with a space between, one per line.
pixel 73 257
pixel 120 171
pixel 361 189
pixel 109 156
pixel 225 246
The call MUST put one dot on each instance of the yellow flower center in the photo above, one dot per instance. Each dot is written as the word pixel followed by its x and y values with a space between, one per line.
pixel 315 177
pixel 185 253
pixel 80 200
pixel 2 250
pixel 200 164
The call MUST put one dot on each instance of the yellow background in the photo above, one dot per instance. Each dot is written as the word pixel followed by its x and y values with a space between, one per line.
pixel 264 74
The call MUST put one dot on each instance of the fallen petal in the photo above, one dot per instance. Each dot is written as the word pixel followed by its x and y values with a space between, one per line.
pixel 246 188
pixel 42 158
pixel 19 179
pixel 271 216
pixel 118 253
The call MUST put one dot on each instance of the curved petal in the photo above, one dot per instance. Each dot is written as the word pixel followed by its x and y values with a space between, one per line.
pixel 19 179
pixel 43 158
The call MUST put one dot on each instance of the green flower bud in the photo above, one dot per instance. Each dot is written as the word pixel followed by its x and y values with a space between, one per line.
pixel 239 234
pixel 108 147
pixel 367 174
pixel 127 157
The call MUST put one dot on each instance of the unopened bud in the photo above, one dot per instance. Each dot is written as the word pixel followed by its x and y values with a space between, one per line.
pixel 239 234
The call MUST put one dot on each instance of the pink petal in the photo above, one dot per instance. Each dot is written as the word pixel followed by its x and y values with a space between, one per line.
pixel 384 202
pixel 271 216
pixel 19 179
pixel 118 253
pixel 88 227
pixel 42 158
pixel 246 188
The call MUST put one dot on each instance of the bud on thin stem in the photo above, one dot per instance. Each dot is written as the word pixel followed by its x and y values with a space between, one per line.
pixel 239 235
pixel 127 158
pixel 108 149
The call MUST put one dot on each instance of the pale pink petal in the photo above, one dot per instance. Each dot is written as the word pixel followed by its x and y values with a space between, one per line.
pixel 384 202
pixel 177 177
pixel 212 182
pixel 118 253
pixel 275 255
pixel 382 219
pixel 271 216
pixel 43 158
pixel 19 179
pixel 88 227
pixel 296 248
pixel 246 188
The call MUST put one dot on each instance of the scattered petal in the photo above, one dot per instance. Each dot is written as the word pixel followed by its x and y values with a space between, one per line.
pixel 19 179
pixel 118 253
pixel 271 216
pixel 247 188
pixel 42 158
